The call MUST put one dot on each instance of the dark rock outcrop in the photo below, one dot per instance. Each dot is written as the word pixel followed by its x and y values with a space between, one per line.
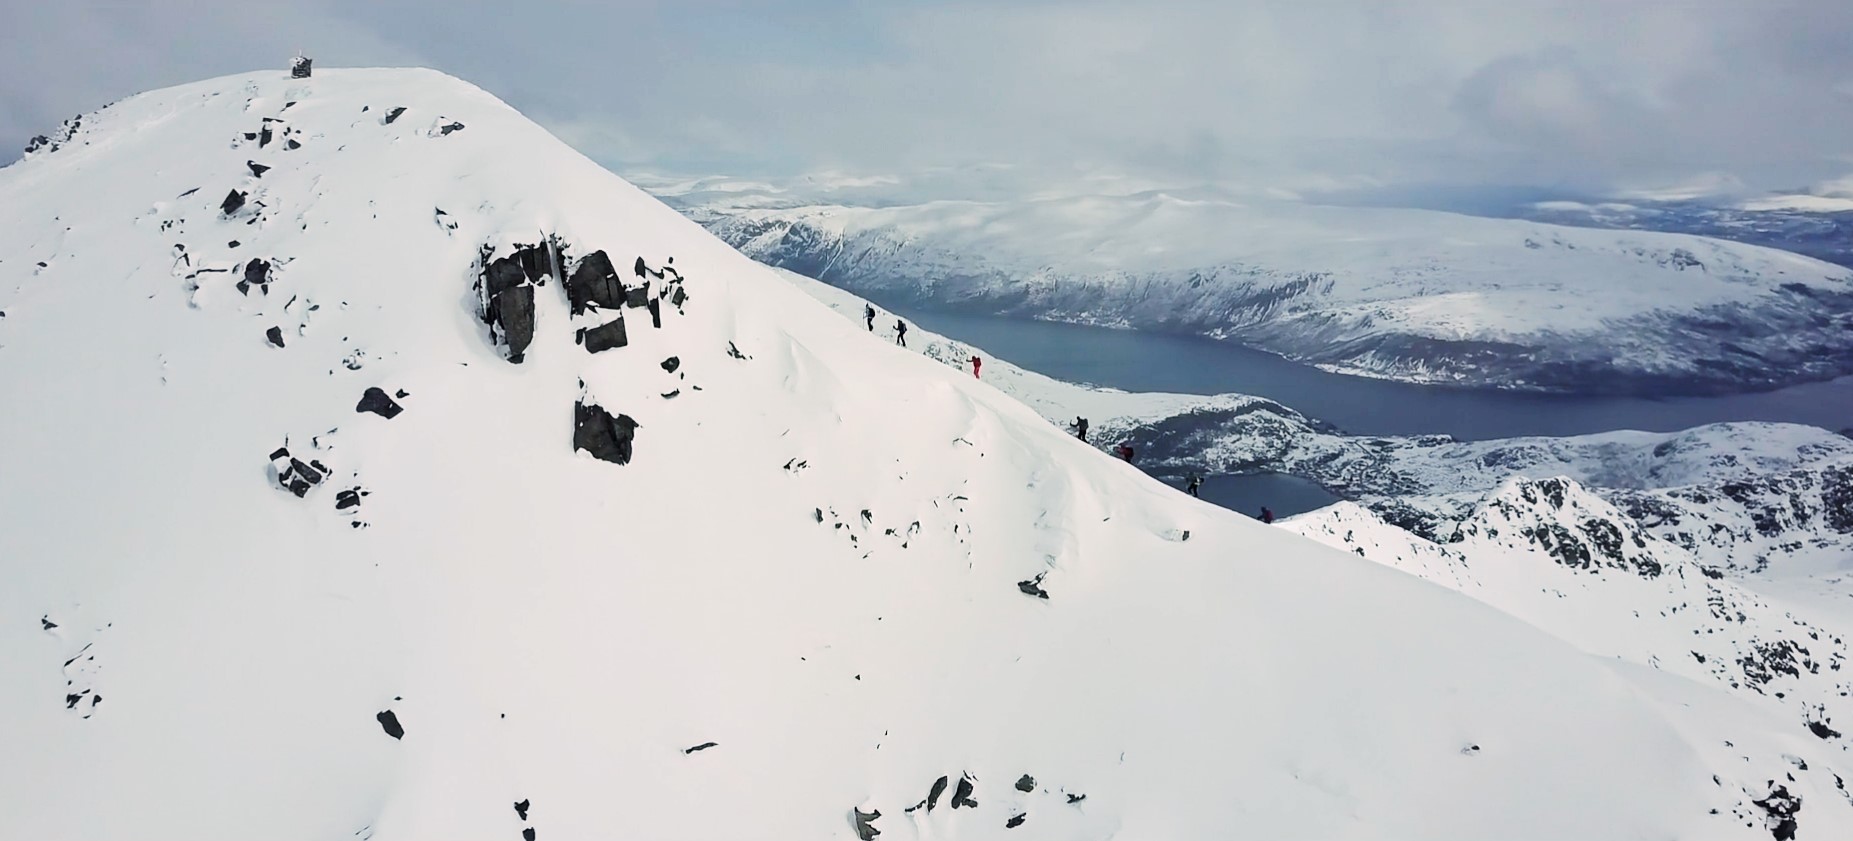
pixel 274 335
pixel 939 788
pixel 378 402
pixel 393 114
pixel 1016 820
pixel 594 282
pixel 390 723
pixel 295 476
pixel 672 363
pixel 521 808
pixel 1026 783
pixel 604 337
pixel 1033 587
pixel 508 297
pixel 701 747
pixel 256 274
pixel 257 169
pixel 233 201
pixel 1781 807
pixel 449 127
pixel 962 796
pixel 606 437
pixel 865 824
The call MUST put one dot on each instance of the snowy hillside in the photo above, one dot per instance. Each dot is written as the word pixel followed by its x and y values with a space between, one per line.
pixel 1552 553
pixel 1404 294
pixel 332 511
pixel 1741 496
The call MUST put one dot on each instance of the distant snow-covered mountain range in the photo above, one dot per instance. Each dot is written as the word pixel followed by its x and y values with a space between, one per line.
pixel 1412 295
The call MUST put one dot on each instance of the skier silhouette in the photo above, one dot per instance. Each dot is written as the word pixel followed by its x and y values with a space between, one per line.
pixel 900 332
pixel 868 315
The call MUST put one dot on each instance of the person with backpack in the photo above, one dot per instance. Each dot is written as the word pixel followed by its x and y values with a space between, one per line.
pixel 976 364
pixel 900 332
pixel 868 315
pixel 1080 429
pixel 1267 515
pixel 1191 485
pixel 1125 451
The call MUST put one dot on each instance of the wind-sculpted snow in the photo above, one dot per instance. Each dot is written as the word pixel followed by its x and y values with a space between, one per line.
pixel 1409 295
pixel 779 595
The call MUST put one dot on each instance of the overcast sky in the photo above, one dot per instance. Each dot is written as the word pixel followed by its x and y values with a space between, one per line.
pixel 1588 95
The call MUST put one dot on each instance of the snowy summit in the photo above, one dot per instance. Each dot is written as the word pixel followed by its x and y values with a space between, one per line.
pixel 352 490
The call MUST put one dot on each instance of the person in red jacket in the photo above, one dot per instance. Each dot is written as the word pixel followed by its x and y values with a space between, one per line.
pixel 1125 452
pixel 976 364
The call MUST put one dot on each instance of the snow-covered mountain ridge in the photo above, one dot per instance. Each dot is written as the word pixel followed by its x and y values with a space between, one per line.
pixel 1742 496
pixel 1412 295
pixel 295 549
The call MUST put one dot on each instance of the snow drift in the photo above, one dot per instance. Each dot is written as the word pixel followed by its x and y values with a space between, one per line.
pixel 335 508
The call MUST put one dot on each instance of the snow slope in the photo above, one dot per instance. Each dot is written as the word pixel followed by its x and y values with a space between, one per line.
pixel 1566 561
pixel 1745 497
pixel 822 555
pixel 1405 294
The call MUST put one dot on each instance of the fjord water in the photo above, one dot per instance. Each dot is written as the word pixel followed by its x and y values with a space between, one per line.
pixel 1144 361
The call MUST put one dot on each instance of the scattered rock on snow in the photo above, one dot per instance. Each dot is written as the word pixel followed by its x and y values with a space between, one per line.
pixel 1016 820
pixel 508 304
pixel 939 788
pixel 1780 807
pixel 1033 587
pixel 295 476
pixel 275 336
pixel 521 808
pixel 393 114
pixel 963 795
pixel 449 127
pixel 376 401
pixel 701 747
pixel 233 201
pixel 672 363
pixel 257 169
pixel 349 498
pixel 1026 783
pixel 390 723
pixel 865 823
pixel 605 437
pixel 256 273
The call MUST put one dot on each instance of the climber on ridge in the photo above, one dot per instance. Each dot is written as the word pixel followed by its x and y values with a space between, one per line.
pixel 1267 514
pixel 1125 451
pixel 1191 485
pixel 868 315
pixel 1080 429
pixel 900 332
pixel 976 364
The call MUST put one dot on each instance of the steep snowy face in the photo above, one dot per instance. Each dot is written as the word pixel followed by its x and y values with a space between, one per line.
pixel 356 485
pixel 1408 295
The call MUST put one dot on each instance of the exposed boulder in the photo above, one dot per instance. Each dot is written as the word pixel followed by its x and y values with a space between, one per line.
pixel 275 336
pixel 521 808
pixel 379 403
pixel 606 437
pixel 256 273
pixel 233 201
pixel 672 363
pixel 449 127
pixel 393 114
pixel 390 723
pixel 257 169
pixel 594 282
pixel 1026 783
pixel 508 304
pixel 1033 587
pixel 701 747
pixel 962 796
pixel 295 476
pixel 604 337
pixel 865 823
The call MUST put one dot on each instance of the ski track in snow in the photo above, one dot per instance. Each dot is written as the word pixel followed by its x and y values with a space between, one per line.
pixel 812 558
